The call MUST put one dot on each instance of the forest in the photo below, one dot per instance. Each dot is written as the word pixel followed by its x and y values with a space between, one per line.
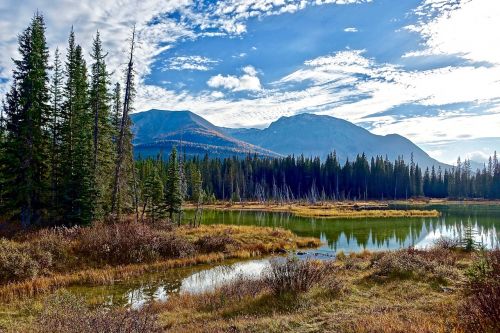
pixel 297 178
pixel 66 153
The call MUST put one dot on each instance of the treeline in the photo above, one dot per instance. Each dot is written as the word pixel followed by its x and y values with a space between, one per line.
pixel 293 178
pixel 66 150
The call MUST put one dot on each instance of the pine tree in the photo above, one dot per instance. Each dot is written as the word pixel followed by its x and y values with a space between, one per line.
pixel 56 103
pixel 153 196
pixel 103 131
pixel 27 144
pixel 76 137
pixel 117 112
pixel 173 195
pixel 2 156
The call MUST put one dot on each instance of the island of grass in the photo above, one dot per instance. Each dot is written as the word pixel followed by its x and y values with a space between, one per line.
pixel 327 210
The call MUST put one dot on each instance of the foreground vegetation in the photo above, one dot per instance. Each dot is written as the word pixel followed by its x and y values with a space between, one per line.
pixel 443 289
pixel 343 209
pixel 49 259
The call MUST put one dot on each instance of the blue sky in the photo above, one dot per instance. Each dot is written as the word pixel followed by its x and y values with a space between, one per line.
pixel 425 69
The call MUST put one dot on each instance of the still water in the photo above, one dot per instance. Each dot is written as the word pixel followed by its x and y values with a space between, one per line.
pixel 376 234
pixel 351 235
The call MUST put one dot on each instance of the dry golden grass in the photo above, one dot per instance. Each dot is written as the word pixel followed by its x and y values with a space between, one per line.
pixel 364 305
pixel 347 209
pixel 248 242
pixel 347 299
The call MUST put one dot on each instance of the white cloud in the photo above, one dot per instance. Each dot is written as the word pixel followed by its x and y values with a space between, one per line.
pixel 156 32
pixel 248 81
pixel 193 63
pixel 466 28
pixel 351 29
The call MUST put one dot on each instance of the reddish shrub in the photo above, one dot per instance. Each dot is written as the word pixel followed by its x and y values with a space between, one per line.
pixel 481 310
pixel 65 313
pixel 214 243
pixel 292 275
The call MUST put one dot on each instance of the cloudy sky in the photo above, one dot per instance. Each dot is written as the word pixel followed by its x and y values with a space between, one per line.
pixel 425 69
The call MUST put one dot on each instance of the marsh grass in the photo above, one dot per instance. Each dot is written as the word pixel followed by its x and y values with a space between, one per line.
pixel 103 254
pixel 343 210
pixel 342 299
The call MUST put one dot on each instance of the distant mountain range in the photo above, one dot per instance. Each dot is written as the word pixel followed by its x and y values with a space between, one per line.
pixel 157 131
pixel 312 135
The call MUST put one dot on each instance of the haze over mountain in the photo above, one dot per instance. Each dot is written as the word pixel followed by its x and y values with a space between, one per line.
pixel 157 131
pixel 308 134
pixel 317 135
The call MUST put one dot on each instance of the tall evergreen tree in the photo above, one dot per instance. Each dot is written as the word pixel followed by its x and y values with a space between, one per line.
pixel 173 195
pixel 56 105
pixel 103 149
pixel 153 196
pixel 76 137
pixel 117 110
pixel 27 144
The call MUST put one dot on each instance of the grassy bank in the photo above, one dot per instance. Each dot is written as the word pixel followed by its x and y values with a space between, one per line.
pixel 438 290
pixel 333 210
pixel 50 259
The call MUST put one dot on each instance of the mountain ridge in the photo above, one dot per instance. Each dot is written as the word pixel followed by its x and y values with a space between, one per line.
pixel 304 134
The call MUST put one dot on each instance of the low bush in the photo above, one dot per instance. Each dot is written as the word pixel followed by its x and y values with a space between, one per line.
pixel 481 310
pixel 415 263
pixel 292 275
pixel 127 242
pixel 65 313
pixel 446 243
pixel 20 261
pixel 172 246
pixel 214 243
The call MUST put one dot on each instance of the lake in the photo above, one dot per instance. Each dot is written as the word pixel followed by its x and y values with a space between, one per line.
pixel 352 235
pixel 376 234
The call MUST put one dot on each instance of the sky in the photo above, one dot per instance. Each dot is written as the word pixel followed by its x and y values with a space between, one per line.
pixel 425 69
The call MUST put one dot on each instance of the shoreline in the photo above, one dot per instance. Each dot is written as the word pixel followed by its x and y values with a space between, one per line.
pixel 253 242
pixel 327 210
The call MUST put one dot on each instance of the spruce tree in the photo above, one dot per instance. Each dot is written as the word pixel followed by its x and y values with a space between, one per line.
pixel 117 111
pixel 103 149
pixel 27 144
pixel 56 104
pixel 173 195
pixel 76 137
pixel 153 196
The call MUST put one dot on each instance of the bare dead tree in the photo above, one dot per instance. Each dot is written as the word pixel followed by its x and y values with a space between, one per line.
pixel 124 132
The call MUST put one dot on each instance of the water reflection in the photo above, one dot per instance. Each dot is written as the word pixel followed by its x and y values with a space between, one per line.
pixel 337 235
pixel 377 234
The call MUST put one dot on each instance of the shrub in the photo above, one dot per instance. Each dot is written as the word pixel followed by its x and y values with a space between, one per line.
pixel 481 306
pixel 214 243
pixel 172 246
pixel 125 243
pixel 119 243
pixel 446 243
pixel 411 262
pixel 65 313
pixel 19 261
pixel 292 275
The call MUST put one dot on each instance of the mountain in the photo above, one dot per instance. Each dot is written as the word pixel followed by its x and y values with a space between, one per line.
pixel 317 135
pixel 158 131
